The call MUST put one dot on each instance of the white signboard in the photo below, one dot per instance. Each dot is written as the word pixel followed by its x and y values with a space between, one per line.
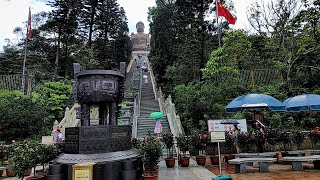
pixel 218 136
pixel 214 125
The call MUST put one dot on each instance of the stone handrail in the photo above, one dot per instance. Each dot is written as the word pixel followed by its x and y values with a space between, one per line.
pixel 153 82
pixel 136 112
pixel 70 116
pixel 170 111
pixel 168 108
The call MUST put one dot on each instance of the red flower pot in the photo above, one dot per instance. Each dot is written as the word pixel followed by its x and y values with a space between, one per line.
pixel 214 160
pixel 170 162
pixel 184 161
pixel 150 177
pixel 201 160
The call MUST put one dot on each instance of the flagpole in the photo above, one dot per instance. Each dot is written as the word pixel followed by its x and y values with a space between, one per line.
pixel 25 53
pixel 218 23
pixel 24 63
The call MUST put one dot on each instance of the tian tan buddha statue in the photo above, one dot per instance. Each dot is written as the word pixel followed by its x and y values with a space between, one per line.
pixel 140 40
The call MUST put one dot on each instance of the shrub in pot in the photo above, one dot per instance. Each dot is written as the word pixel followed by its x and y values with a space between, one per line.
pixel 199 141
pixel 298 138
pixel 184 146
pixel 24 157
pixel 151 151
pixel 167 138
pixel 211 150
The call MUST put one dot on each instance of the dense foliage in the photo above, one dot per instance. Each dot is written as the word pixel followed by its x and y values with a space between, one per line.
pixel 279 57
pixel 22 116
pixel 57 95
pixel 92 33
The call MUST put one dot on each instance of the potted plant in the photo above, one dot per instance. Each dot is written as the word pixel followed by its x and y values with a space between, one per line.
pixel 199 141
pixel 298 138
pixel 167 138
pixel 227 150
pixel 24 157
pixel 285 140
pixel 315 137
pixel 136 143
pixel 211 151
pixel 151 151
pixel 184 146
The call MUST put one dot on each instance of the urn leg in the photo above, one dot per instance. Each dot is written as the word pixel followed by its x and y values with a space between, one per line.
pixel 112 113
pixel 85 115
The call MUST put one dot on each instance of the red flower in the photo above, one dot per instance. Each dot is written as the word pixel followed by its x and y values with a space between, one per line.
pixel 205 136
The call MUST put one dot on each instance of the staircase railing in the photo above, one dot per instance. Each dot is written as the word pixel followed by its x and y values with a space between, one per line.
pixel 70 116
pixel 136 109
pixel 168 108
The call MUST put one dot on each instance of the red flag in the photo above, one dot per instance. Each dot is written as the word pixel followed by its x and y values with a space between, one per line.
pixel 29 30
pixel 222 11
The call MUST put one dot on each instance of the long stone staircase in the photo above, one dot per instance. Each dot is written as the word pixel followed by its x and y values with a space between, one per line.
pixel 148 104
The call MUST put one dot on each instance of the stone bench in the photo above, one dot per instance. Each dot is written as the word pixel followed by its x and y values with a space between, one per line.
pixel 240 163
pixel 256 155
pixel 297 161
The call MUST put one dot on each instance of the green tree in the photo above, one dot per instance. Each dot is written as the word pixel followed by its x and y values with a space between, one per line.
pixel 22 116
pixel 57 96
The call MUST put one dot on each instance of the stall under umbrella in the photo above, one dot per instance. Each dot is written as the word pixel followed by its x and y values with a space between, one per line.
pixel 255 103
pixel 304 102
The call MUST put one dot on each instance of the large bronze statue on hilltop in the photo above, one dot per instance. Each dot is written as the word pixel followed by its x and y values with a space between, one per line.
pixel 140 40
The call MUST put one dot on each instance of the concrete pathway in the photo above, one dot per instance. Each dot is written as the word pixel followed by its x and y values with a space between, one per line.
pixel 193 172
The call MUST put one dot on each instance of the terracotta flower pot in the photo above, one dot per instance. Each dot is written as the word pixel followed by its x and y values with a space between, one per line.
pixel 150 177
pixel 201 160
pixel 184 161
pixel 170 162
pixel 214 160
pixel 10 173
pixel 28 172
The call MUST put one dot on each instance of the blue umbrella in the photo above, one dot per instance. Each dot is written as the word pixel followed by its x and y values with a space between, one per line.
pixel 254 102
pixel 304 102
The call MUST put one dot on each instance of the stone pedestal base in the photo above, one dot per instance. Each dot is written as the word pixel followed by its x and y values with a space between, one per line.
pixel 121 165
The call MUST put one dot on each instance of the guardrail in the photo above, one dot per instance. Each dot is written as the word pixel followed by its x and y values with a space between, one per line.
pixel 70 116
pixel 168 108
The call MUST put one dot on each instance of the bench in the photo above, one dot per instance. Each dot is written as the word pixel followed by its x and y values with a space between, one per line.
pixel 240 163
pixel 297 161
pixel 256 155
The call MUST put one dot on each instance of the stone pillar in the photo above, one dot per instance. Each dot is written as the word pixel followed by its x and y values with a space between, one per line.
pixel 85 115
pixel 112 115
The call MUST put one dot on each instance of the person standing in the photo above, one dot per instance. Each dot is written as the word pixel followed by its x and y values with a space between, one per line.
pixel 158 127
pixel 145 77
pixel 235 133
pixel 58 138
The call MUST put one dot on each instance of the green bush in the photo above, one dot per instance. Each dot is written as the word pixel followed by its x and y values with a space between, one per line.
pixel 22 116
pixel 57 95
pixel 151 151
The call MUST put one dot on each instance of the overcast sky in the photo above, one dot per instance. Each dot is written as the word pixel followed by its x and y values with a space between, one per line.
pixel 14 12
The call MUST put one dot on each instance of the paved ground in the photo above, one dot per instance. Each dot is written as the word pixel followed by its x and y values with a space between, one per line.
pixel 193 172
pixel 276 172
